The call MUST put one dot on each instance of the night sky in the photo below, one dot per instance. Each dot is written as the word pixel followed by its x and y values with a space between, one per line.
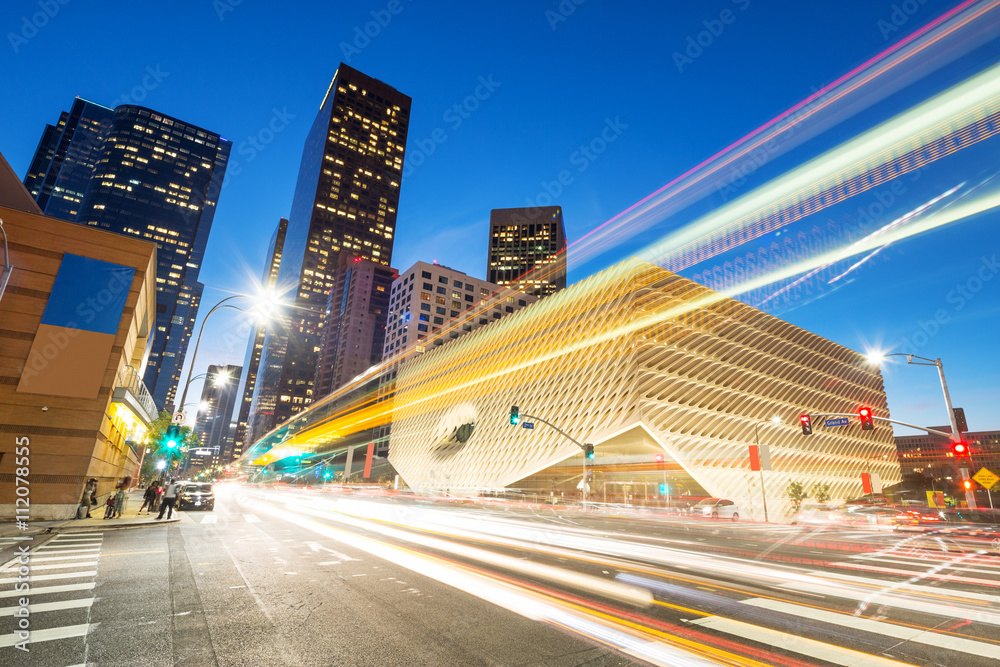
pixel 550 77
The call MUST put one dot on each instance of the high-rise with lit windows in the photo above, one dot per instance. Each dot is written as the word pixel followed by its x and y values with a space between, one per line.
pixel 218 396
pixel 158 178
pixel 345 202
pixel 528 249
pixel 64 160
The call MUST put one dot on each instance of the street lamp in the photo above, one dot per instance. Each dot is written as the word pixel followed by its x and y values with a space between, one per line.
pixel 756 438
pixel 877 357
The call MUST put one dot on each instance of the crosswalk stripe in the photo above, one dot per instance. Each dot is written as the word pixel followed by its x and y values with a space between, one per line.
pixel 80 536
pixel 917 635
pixel 909 603
pixel 64 551
pixel 38 608
pixel 926 562
pixel 48 559
pixel 50 634
pixel 210 518
pixel 931 590
pixel 56 566
pixel 940 576
pixel 50 577
pixel 45 590
pixel 251 518
pixel 801 645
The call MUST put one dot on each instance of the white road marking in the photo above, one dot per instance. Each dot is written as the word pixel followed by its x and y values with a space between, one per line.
pixel 50 577
pixel 64 551
pixel 886 629
pixel 80 603
pixel 251 518
pixel 49 559
pixel 56 566
pixel 782 640
pixel 936 591
pixel 64 632
pixel 49 589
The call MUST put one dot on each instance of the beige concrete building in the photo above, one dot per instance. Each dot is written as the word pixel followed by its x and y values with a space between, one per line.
pixel 668 379
pixel 76 320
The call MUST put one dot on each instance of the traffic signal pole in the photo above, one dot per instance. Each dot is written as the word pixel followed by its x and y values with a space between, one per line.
pixel 566 435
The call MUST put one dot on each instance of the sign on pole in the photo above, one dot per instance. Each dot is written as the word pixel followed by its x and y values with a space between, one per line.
pixel 839 421
pixel 179 418
pixel 527 425
pixel 986 478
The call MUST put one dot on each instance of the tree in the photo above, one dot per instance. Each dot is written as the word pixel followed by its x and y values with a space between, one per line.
pixel 796 493
pixel 821 492
pixel 157 450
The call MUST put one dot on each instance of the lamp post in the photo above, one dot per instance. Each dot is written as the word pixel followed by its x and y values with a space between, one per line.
pixel 956 436
pixel 756 439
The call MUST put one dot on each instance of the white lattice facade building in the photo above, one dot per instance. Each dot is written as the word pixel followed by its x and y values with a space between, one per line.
pixel 639 362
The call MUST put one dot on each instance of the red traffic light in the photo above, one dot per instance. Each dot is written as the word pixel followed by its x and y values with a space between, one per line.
pixel 659 458
pixel 806 422
pixel 960 448
pixel 865 414
pixel 967 484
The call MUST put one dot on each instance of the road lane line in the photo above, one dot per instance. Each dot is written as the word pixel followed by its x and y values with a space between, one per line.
pixel 782 640
pixel 51 634
pixel 80 603
pixel 44 590
pixel 917 635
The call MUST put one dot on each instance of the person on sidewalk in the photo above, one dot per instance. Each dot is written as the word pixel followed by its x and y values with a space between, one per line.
pixel 121 497
pixel 87 499
pixel 169 498
pixel 149 498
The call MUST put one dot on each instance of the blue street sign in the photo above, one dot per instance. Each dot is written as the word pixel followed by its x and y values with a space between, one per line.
pixel 839 421
pixel 527 425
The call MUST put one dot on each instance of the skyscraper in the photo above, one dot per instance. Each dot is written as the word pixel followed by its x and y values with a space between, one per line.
pixel 353 329
pixel 345 201
pixel 528 249
pixel 64 160
pixel 218 396
pixel 255 346
pixel 158 178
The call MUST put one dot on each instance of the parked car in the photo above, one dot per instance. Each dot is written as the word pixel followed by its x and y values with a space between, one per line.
pixel 197 496
pixel 717 508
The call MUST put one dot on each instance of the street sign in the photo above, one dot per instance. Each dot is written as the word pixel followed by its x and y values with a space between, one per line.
pixel 986 478
pixel 179 418
pixel 527 425
pixel 839 421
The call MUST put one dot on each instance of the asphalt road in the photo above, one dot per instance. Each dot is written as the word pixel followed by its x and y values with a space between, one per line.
pixel 287 577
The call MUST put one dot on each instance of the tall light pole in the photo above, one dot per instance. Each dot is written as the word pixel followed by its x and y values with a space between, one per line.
pixel 956 436
pixel 756 439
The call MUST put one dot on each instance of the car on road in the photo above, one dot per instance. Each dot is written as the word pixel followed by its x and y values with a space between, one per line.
pixel 919 519
pixel 196 496
pixel 717 508
pixel 816 514
pixel 874 517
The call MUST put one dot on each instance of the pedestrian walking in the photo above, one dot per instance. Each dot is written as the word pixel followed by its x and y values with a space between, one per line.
pixel 121 497
pixel 149 497
pixel 169 498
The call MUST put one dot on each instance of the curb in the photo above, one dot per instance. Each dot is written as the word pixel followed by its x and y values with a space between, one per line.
pixel 69 527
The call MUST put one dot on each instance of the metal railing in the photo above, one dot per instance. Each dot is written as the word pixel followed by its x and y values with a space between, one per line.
pixel 130 379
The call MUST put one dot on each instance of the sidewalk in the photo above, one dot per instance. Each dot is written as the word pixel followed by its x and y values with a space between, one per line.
pixel 129 519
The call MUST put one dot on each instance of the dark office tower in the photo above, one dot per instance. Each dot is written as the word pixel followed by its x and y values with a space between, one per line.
pixel 255 346
pixel 159 179
pixel 218 397
pixel 528 249
pixel 345 201
pixel 353 330
pixel 65 157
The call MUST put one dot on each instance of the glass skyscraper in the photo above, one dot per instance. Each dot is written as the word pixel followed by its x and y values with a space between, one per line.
pixel 528 249
pixel 159 179
pixel 345 201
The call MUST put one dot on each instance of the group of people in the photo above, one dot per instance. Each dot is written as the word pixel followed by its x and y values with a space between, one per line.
pixel 162 496
pixel 113 507
pixel 157 495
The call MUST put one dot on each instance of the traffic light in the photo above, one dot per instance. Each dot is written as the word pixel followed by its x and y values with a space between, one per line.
pixel 967 484
pixel 960 449
pixel 806 421
pixel 659 458
pixel 866 419
pixel 515 419
pixel 588 451
pixel 172 438
pixel 663 489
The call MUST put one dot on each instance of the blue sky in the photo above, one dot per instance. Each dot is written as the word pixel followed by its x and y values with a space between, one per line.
pixel 556 79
